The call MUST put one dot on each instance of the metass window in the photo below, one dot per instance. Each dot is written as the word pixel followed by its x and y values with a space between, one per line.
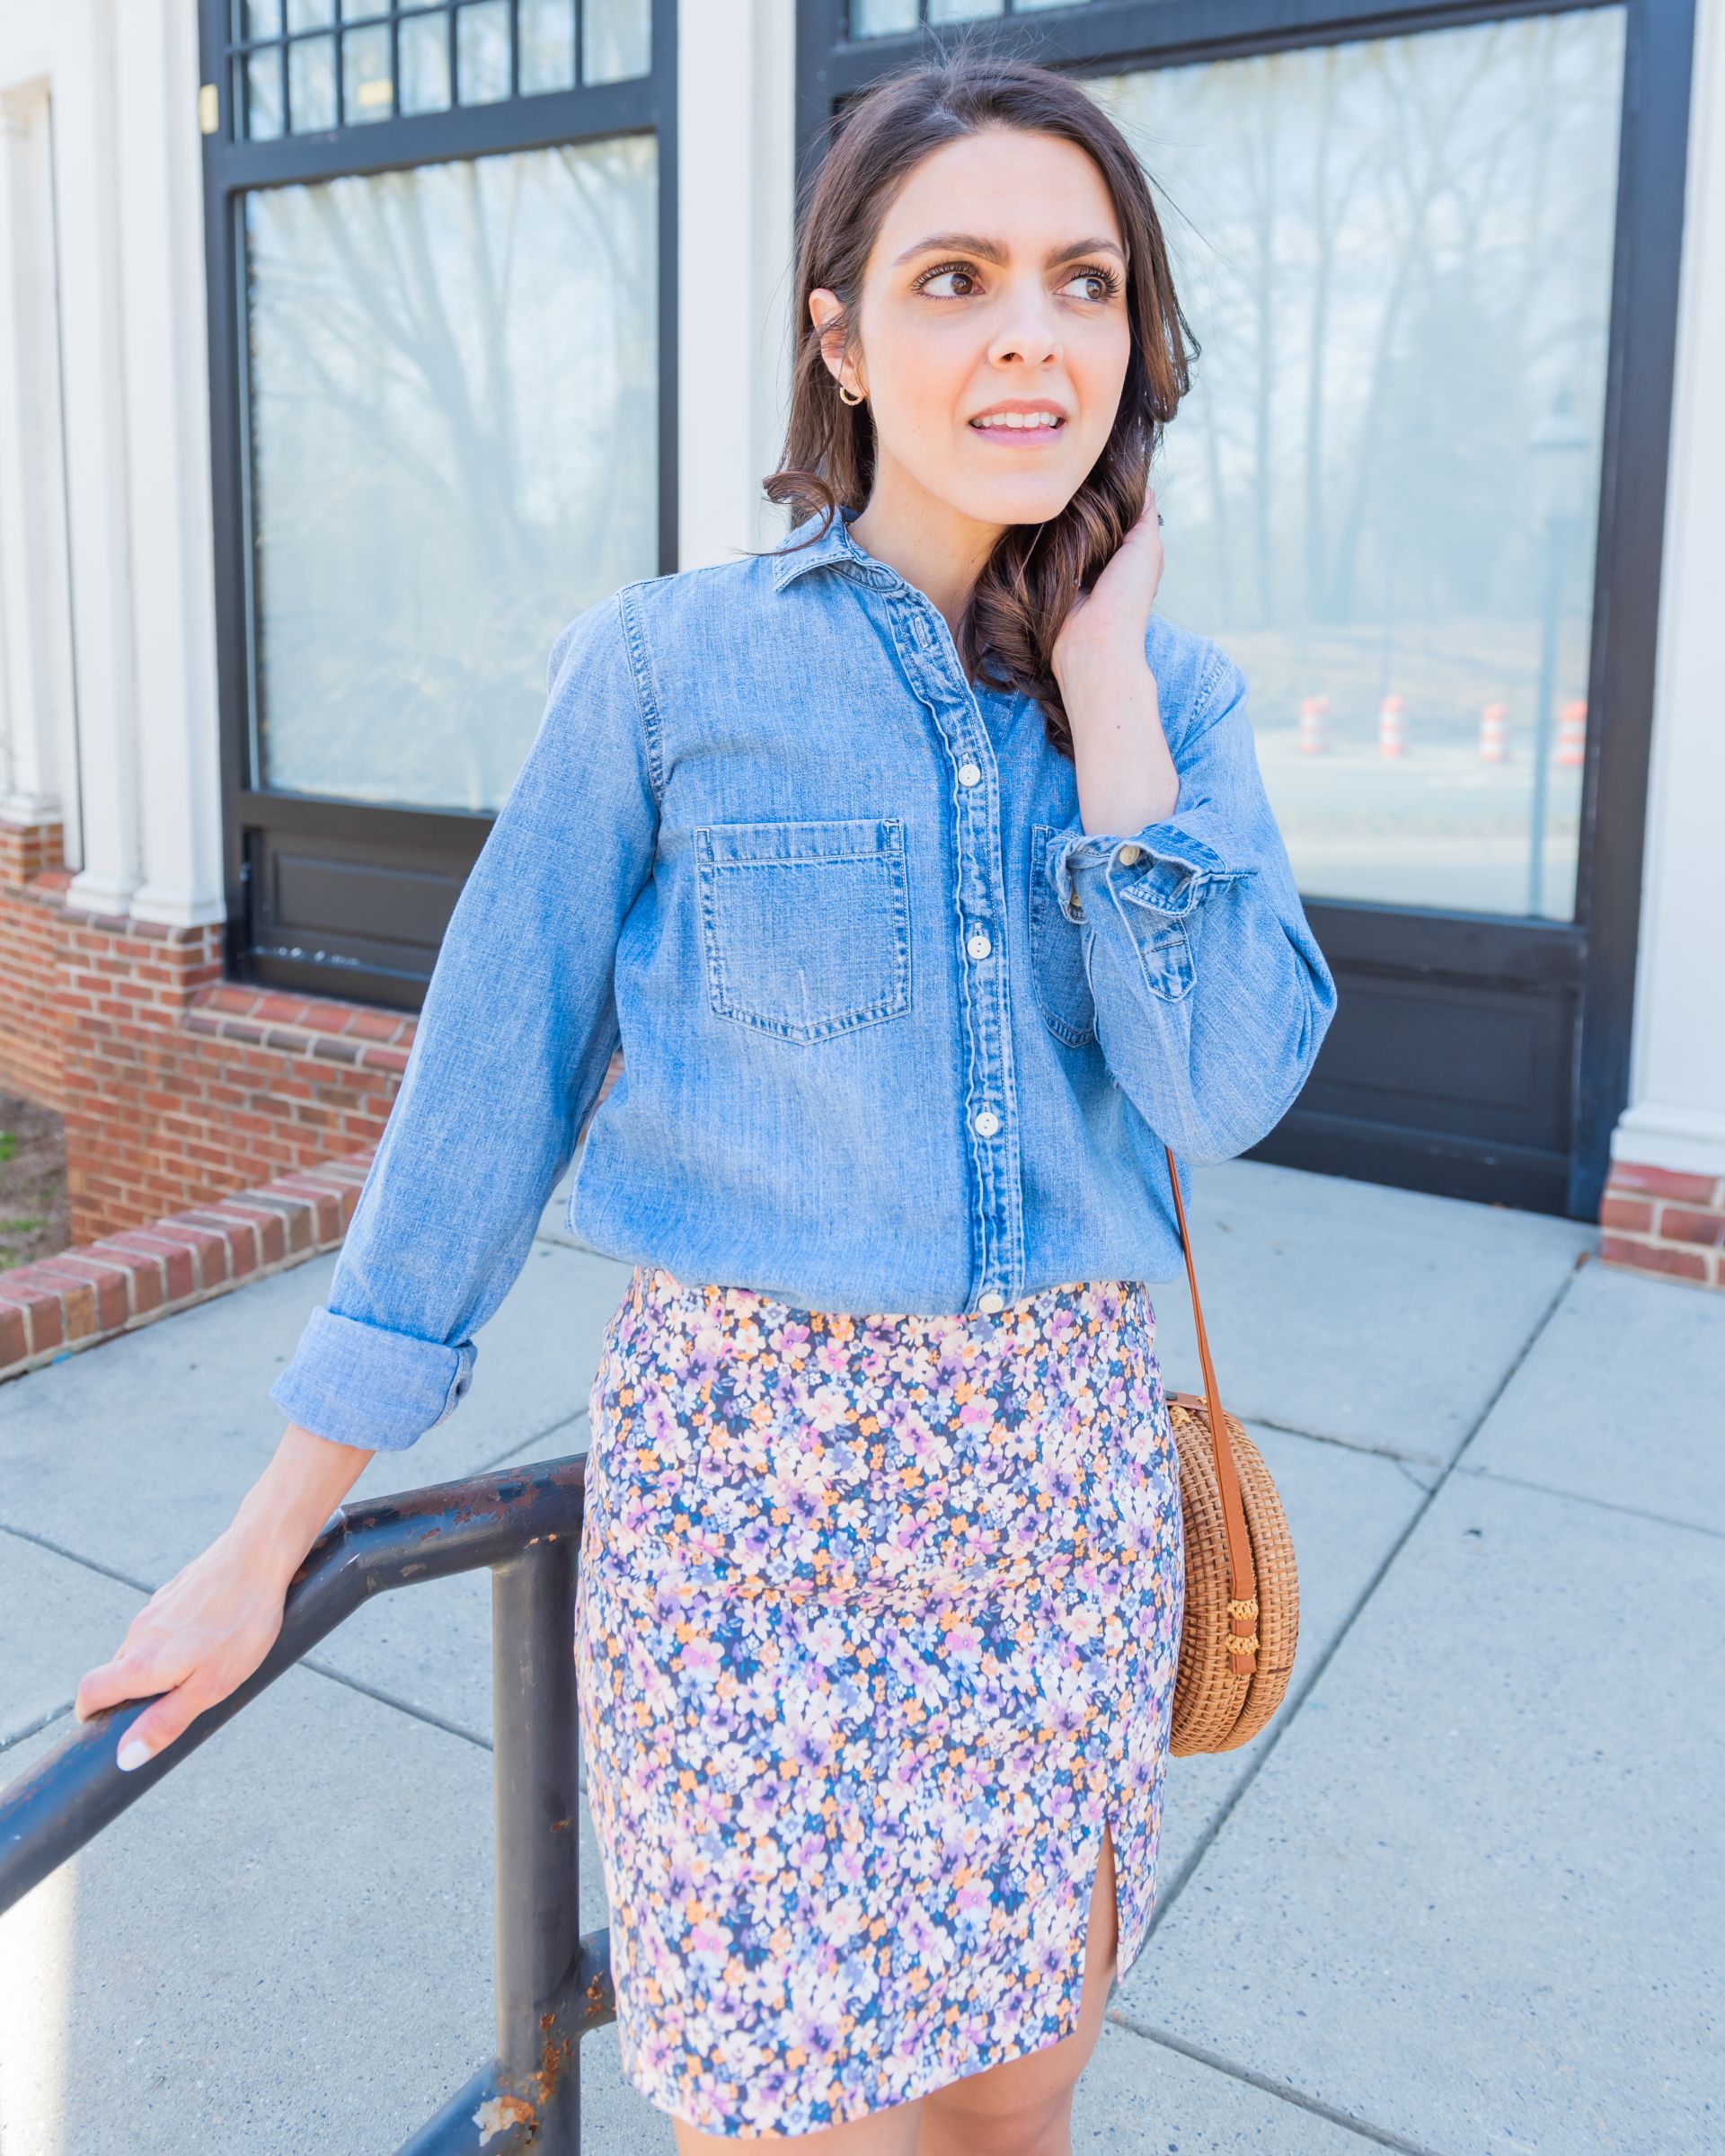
pixel 441 275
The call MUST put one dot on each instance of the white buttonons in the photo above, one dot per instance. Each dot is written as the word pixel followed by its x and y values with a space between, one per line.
pixel 1127 854
pixel 968 774
pixel 979 946
pixel 993 1301
pixel 986 1123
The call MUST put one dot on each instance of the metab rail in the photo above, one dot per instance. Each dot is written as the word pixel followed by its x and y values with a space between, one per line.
pixel 552 1985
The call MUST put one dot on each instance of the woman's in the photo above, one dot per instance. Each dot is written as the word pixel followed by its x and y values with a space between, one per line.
pixel 928 882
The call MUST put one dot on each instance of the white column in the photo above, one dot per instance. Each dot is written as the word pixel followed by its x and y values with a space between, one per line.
pixel 167 439
pixel 38 743
pixel 1676 1114
pixel 736 177
pixel 93 392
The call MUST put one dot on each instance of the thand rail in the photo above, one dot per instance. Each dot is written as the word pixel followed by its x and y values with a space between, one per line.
pixel 552 1985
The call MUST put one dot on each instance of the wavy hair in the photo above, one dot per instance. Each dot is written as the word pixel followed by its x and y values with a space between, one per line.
pixel 1027 587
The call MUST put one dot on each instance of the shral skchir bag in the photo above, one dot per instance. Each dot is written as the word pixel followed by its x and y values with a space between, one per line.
pixel 1242 1621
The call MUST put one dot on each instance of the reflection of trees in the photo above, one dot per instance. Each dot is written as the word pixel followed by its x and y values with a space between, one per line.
pixel 1394 253
pixel 1328 211
pixel 454 430
pixel 1420 136
pixel 1259 173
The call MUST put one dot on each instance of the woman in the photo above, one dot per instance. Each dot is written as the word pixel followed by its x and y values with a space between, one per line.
pixel 928 882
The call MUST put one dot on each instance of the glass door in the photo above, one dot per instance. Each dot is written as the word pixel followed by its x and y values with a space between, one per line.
pixel 1429 263
pixel 1396 256
pixel 440 252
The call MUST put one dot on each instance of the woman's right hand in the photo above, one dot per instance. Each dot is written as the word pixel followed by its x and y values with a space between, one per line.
pixel 200 1636
pixel 194 1641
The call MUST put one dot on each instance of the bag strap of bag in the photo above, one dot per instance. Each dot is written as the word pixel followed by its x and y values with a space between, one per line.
pixel 1242 1578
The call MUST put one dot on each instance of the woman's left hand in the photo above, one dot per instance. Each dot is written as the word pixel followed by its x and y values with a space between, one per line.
pixel 1125 776
pixel 1104 633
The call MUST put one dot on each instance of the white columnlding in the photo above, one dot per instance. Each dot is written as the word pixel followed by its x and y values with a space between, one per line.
pixel 736 109
pixel 107 623
pixel 1676 1114
pixel 38 762
pixel 93 395
pixel 167 441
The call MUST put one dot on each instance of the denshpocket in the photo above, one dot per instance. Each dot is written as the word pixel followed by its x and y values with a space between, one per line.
pixel 805 924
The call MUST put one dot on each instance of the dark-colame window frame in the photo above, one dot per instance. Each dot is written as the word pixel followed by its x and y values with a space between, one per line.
pixel 1547 1007
pixel 326 895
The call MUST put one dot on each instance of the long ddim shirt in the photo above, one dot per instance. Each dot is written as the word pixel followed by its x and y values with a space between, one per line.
pixel 898 1033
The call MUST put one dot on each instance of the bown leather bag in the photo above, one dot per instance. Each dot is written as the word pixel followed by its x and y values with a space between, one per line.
pixel 1242 1621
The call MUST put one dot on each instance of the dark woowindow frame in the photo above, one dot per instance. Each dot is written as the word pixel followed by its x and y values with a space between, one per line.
pixel 1576 980
pixel 384 878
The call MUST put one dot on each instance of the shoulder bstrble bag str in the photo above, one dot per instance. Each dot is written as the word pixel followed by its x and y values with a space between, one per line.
pixel 1242 1620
